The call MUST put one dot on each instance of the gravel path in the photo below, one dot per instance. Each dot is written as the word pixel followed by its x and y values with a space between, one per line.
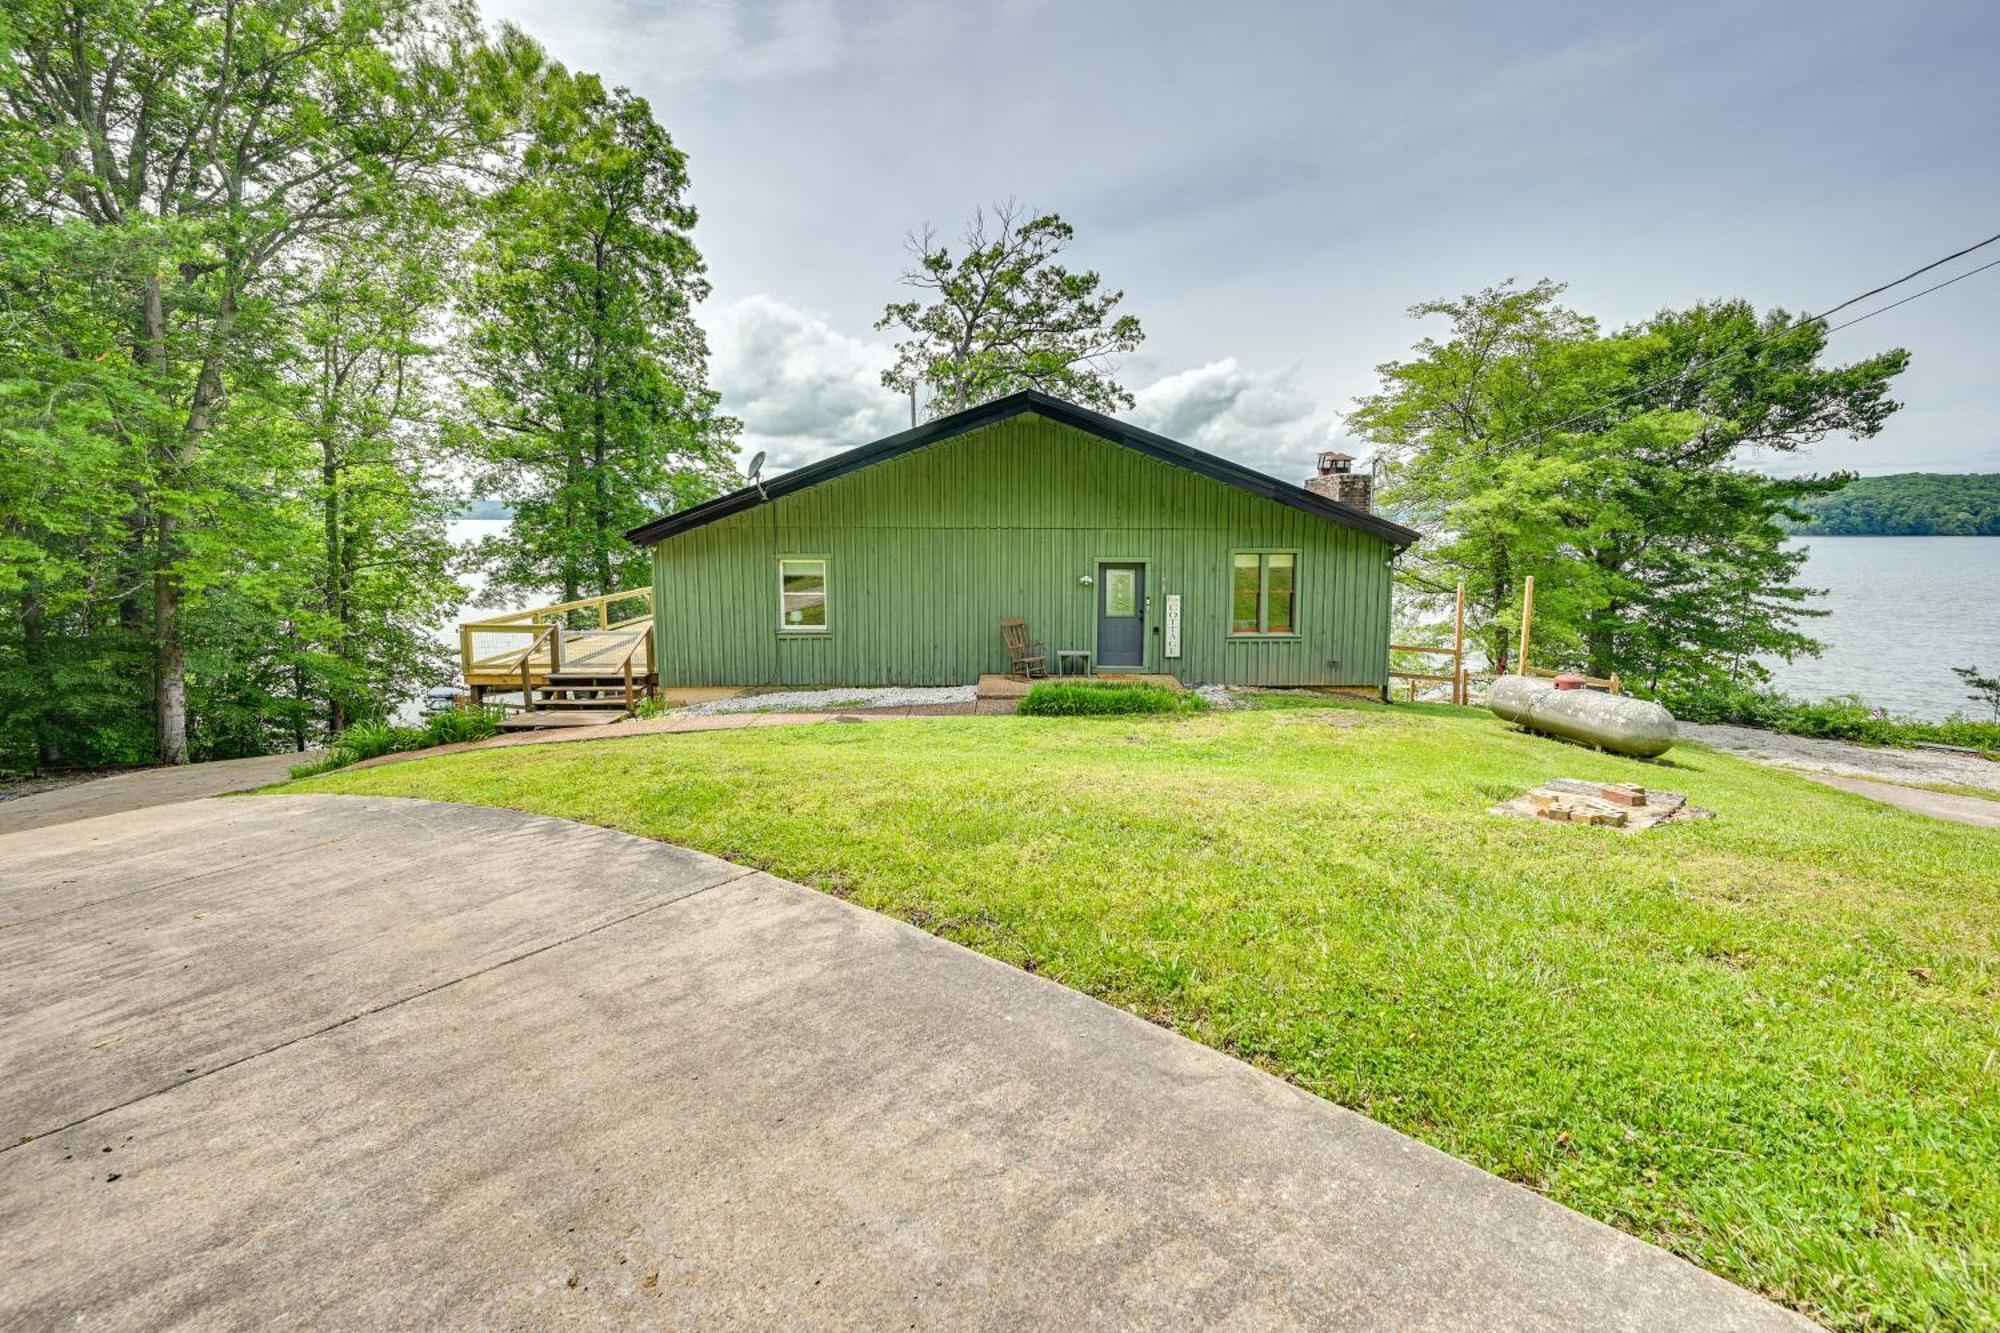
pixel 1843 757
pixel 806 701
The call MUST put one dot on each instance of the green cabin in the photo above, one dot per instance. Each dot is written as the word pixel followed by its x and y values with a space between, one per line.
pixel 894 563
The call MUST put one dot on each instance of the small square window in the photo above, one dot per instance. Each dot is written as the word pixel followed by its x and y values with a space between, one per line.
pixel 802 596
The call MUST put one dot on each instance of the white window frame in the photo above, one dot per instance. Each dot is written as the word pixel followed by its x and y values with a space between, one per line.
pixel 825 593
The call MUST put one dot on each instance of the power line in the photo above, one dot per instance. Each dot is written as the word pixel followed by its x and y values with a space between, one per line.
pixel 1806 322
pixel 1913 273
pixel 1848 324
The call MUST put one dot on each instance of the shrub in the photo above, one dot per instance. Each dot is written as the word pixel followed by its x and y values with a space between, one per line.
pixel 1848 718
pixel 365 740
pixel 1064 698
pixel 326 763
pixel 368 740
pixel 459 724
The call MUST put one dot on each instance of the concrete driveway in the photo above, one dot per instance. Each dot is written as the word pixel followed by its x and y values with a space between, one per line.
pixel 143 788
pixel 367 1063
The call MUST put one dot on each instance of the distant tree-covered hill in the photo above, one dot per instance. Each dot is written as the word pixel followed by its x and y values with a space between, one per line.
pixel 1910 504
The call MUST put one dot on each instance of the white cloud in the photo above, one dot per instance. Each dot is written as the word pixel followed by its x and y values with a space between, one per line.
pixel 680 42
pixel 1264 419
pixel 802 388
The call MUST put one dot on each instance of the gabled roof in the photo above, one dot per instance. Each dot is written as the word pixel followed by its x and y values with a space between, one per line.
pixel 1000 409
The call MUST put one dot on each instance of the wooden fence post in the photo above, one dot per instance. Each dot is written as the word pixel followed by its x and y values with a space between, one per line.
pixel 1458 695
pixel 1527 623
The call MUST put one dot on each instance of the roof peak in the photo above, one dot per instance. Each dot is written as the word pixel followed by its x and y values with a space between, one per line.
pixel 1001 409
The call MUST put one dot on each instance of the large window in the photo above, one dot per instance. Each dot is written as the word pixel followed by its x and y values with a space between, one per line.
pixel 802 595
pixel 1263 591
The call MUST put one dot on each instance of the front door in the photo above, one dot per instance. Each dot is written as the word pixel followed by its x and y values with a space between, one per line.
pixel 1121 615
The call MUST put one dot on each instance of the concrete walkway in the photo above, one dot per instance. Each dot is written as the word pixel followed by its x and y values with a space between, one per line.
pixel 146 787
pixel 673 724
pixel 1978 811
pixel 367 1063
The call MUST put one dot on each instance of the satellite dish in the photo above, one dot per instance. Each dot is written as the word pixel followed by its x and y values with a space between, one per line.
pixel 756 464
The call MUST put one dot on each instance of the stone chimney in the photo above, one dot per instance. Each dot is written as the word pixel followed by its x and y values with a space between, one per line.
pixel 1338 481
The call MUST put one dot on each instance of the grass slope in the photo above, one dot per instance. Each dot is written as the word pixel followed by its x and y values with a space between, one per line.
pixel 1766 1042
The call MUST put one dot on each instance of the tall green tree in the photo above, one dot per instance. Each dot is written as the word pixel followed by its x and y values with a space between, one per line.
pixel 1615 469
pixel 219 141
pixel 1508 368
pixel 75 412
pixel 586 371
pixel 1003 314
pixel 370 384
pixel 1700 578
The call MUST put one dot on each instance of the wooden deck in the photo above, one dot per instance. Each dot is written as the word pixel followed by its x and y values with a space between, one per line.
pixel 523 652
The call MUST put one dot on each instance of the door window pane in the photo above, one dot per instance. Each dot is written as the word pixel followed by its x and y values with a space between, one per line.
pixel 1243 598
pixel 802 595
pixel 1278 592
pixel 1121 592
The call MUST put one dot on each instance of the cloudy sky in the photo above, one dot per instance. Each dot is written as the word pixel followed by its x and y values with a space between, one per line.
pixel 1273 185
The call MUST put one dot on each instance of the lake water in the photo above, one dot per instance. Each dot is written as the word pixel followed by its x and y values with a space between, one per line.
pixel 464 532
pixel 1902 612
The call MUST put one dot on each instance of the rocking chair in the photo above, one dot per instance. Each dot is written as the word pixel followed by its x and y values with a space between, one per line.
pixel 1026 659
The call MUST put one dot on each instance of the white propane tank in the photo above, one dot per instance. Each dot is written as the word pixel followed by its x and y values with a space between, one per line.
pixel 1614 722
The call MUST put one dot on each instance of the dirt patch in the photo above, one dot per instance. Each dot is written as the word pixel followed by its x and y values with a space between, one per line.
pixel 14 788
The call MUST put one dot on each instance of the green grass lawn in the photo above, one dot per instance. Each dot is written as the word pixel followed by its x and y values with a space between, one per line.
pixel 1767 1042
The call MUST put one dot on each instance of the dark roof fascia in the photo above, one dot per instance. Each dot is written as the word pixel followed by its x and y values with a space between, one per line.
pixel 1000 409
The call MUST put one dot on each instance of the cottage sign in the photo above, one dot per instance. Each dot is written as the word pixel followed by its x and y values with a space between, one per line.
pixel 1173 648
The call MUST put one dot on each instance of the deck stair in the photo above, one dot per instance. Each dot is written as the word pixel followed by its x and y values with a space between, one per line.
pixel 588 689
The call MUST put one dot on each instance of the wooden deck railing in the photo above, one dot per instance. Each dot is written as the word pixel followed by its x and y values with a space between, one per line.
pixel 1416 679
pixel 1455 650
pixel 552 638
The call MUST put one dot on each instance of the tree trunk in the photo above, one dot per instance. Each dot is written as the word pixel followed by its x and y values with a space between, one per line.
pixel 1499 648
pixel 298 695
pixel 335 593
pixel 169 656
pixel 170 712
pixel 1598 644
pixel 139 565
pixel 600 519
pixel 34 654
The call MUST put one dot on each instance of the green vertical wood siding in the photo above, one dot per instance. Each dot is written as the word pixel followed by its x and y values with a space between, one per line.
pixel 929 550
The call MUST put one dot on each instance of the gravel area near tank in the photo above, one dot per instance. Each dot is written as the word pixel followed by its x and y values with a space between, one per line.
pixel 808 701
pixel 1843 757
